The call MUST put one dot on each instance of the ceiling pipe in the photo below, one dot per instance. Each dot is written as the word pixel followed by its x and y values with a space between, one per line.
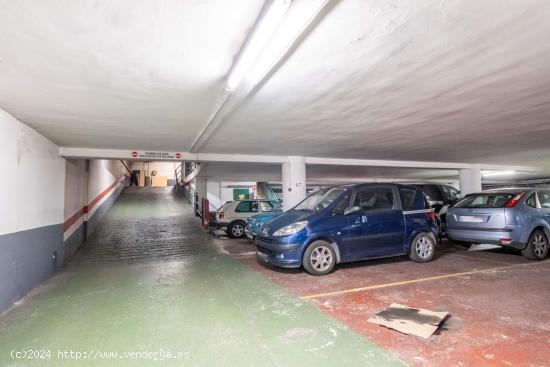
pixel 231 100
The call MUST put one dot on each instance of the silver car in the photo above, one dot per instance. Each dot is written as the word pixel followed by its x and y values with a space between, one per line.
pixel 518 218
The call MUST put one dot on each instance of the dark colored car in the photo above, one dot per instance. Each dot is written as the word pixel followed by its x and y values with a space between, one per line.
pixel 440 195
pixel 350 223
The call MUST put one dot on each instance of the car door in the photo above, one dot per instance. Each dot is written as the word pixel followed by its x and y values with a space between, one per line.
pixel 378 228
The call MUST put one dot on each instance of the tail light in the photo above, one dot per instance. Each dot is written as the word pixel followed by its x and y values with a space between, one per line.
pixel 221 215
pixel 513 201
pixel 431 215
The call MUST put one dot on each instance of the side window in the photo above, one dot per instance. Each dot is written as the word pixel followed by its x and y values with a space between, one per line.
pixel 407 198
pixel 432 192
pixel 266 206
pixel 374 199
pixel 342 205
pixel 452 193
pixel 544 199
pixel 244 207
pixel 532 201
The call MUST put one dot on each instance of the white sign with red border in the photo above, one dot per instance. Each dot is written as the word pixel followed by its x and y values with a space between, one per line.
pixel 149 154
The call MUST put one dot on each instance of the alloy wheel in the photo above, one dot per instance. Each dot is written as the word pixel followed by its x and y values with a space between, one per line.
pixel 237 230
pixel 321 258
pixel 539 245
pixel 424 247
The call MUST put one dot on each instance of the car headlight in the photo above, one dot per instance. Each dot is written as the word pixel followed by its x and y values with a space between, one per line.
pixel 291 229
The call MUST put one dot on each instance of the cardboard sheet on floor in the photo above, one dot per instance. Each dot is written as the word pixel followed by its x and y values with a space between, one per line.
pixel 409 320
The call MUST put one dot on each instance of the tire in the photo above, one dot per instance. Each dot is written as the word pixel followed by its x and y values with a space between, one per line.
pixel 236 229
pixel 319 258
pixel 422 248
pixel 537 248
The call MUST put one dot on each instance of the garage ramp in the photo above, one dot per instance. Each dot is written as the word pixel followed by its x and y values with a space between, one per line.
pixel 150 280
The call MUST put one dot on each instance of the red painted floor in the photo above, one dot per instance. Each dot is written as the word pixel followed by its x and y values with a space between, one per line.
pixel 499 316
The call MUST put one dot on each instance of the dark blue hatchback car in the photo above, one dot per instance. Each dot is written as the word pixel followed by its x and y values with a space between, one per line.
pixel 350 223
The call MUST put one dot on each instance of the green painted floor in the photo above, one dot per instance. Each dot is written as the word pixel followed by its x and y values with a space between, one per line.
pixel 149 281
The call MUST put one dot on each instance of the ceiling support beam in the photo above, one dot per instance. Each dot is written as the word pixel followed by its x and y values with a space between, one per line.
pixel 70 152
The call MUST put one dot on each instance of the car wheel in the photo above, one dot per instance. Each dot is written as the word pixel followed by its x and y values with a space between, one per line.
pixel 537 248
pixel 422 248
pixel 236 229
pixel 319 258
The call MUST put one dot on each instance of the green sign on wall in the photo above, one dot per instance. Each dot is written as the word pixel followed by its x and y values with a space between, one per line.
pixel 241 194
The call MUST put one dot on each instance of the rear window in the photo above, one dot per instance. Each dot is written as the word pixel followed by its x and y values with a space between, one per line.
pixel 492 200
pixel 432 192
pixel 407 198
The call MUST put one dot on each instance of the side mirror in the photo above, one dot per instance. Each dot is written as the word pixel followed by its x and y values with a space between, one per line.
pixel 353 209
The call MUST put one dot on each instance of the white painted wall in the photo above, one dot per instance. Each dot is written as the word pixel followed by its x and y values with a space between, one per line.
pixel 32 185
pixel 76 184
pixel 103 173
pixel 218 193
pixel 82 187
pixel 213 189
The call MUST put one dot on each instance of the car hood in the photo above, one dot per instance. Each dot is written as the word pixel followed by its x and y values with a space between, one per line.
pixel 284 220
pixel 262 218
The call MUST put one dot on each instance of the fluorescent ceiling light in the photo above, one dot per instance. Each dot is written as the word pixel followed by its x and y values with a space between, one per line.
pixel 258 41
pixel 497 173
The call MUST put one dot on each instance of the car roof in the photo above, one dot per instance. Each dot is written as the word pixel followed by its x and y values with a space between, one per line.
pixel 368 184
pixel 508 190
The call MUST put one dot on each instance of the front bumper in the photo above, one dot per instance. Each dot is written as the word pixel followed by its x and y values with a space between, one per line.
pixel 286 255
pixel 485 236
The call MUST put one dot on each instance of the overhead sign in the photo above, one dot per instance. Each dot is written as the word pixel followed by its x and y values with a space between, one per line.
pixel 152 155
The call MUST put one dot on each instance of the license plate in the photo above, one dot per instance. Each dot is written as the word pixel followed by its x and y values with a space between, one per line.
pixel 471 219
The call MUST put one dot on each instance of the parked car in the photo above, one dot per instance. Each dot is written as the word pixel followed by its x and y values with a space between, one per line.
pixel 440 197
pixel 517 218
pixel 255 223
pixel 232 215
pixel 350 223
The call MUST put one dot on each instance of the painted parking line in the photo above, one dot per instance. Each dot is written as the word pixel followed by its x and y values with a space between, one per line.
pixel 420 280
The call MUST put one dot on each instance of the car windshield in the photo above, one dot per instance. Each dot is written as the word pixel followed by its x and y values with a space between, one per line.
pixel 321 199
pixel 485 200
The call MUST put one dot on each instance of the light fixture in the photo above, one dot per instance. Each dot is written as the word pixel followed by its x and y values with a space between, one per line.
pixel 497 173
pixel 259 39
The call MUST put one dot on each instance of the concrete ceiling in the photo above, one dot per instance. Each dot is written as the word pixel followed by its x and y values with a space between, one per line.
pixel 461 81
pixel 134 74
pixel 217 171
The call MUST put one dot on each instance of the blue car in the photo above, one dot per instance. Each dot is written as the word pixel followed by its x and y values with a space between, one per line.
pixel 350 223
pixel 516 218
pixel 255 223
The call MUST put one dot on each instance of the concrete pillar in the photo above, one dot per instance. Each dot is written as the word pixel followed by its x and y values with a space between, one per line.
pixel 200 192
pixel 470 179
pixel 294 181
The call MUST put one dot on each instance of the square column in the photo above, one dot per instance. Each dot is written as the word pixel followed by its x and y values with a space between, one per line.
pixel 294 181
pixel 470 179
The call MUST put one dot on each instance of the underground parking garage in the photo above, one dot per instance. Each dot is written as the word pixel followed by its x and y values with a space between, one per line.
pixel 274 183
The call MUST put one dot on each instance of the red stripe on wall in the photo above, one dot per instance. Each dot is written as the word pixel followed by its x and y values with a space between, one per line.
pixel 76 216
pixel 100 196
pixel 72 220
